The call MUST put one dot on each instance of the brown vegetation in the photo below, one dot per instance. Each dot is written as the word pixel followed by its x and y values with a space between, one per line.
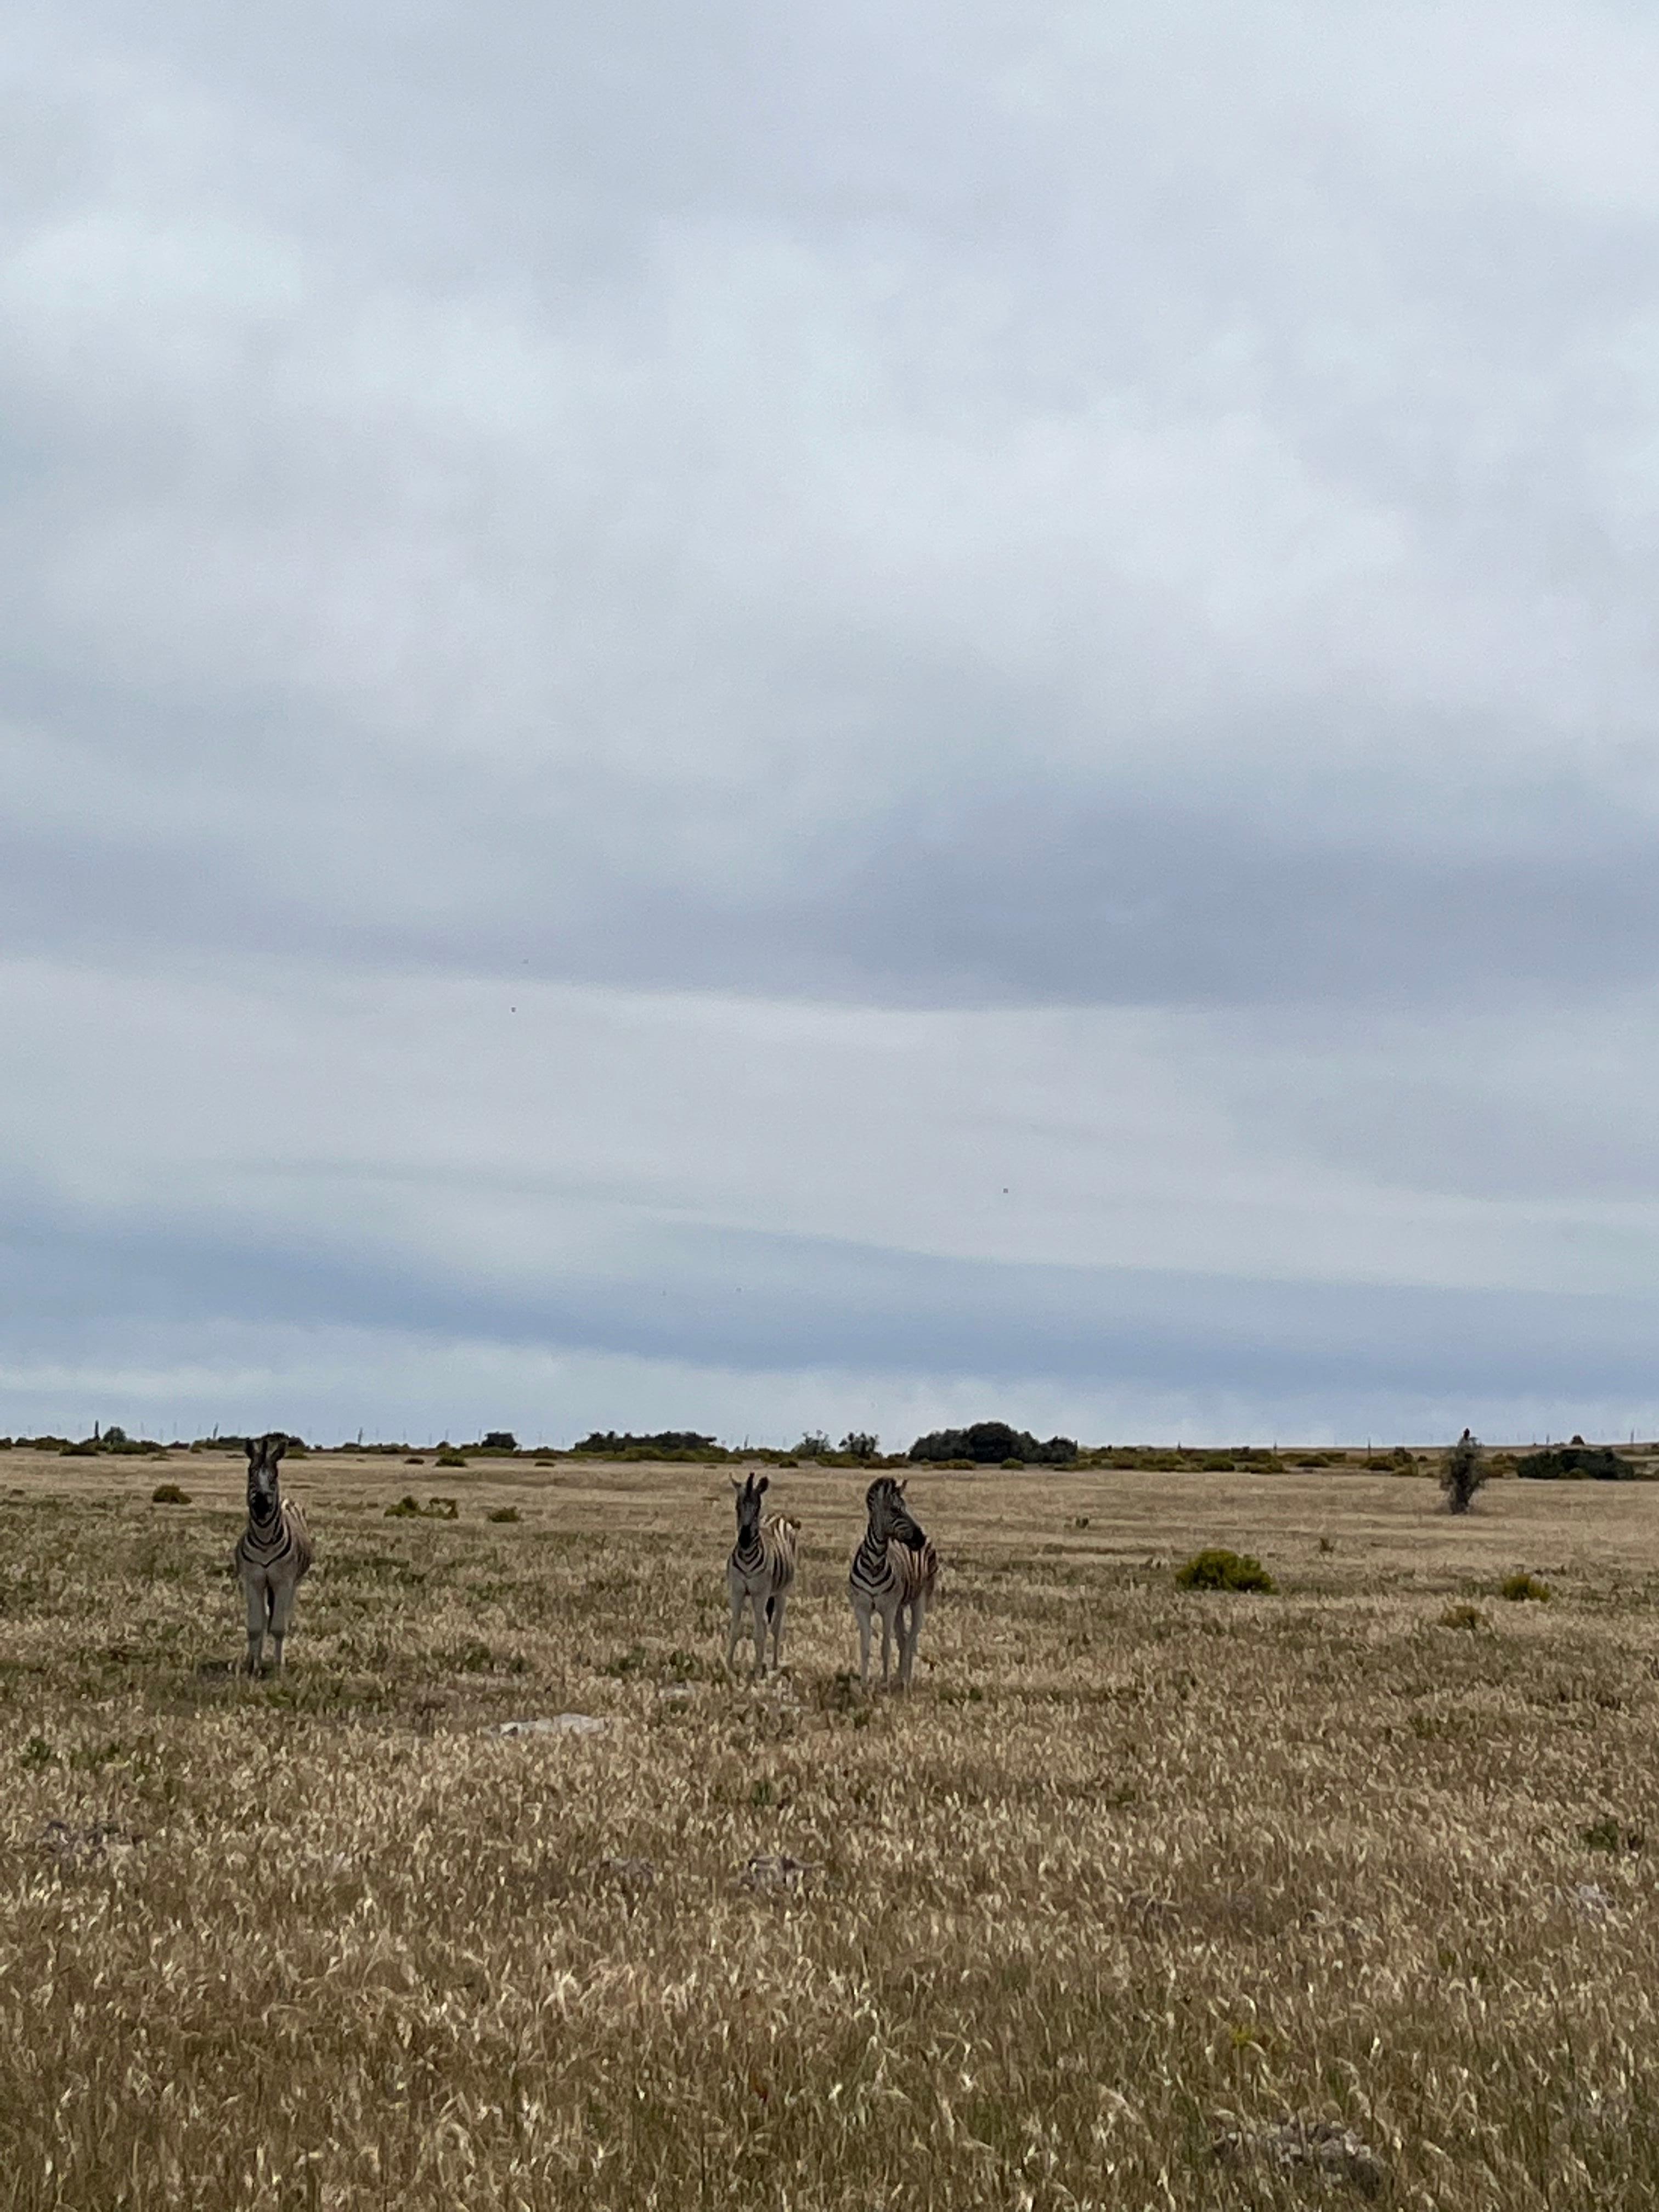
pixel 1136 1899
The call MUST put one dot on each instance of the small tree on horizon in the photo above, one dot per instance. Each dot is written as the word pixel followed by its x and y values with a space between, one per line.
pixel 1463 1472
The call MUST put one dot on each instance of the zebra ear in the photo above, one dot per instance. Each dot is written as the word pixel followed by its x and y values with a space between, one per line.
pixel 765 1483
pixel 278 1445
pixel 251 1445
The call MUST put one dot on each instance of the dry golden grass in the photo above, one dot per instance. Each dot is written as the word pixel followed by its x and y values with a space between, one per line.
pixel 1130 1871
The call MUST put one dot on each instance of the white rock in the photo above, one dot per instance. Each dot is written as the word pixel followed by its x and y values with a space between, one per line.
pixel 560 1724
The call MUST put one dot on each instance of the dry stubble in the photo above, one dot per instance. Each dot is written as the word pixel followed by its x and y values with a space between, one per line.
pixel 1130 1869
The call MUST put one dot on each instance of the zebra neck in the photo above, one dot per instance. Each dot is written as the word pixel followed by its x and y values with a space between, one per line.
pixel 748 1546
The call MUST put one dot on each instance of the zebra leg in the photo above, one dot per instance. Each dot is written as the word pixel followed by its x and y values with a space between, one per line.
pixel 281 1611
pixel 757 1607
pixel 861 1614
pixel 886 1645
pixel 253 1591
pixel 737 1605
pixel 909 1636
pixel 776 1609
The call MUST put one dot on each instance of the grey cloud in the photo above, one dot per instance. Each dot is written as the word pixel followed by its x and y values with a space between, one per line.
pixel 993 508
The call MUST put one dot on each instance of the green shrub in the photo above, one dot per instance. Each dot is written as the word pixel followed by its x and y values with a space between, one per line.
pixel 992 1443
pixel 168 1494
pixel 405 1509
pixel 1463 1472
pixel 450 1457
pixel 1219 1570
pixel 1577 1463
pixel 442 1508
pixel 1522 1587
pixel 503 1513
pixel 1610 1835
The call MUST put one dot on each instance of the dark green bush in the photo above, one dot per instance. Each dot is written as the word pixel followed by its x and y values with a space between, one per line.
pixel 168 1494
pixel 990 1443
pixel 666 1443
pixel 450 1457
pixel 1577 1463
pixel 1610 1835
pixel 503 1513
pixel 1219 1570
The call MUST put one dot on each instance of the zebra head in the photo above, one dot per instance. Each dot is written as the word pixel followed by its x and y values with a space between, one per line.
pixel 891 1519
pixel 747 1496
pixel 263 1490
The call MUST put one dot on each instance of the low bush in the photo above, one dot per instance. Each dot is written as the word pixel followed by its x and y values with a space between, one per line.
pixel 1463 1472
pixel 450 1457
pixel 992 1443
pixel 503 1513
pixel 666 1444
pixel 1610 1835
pixel 1463 1616
pixel 168 1494
pixel 1520 1587
pixel 1577 1463
pixel 1219 1570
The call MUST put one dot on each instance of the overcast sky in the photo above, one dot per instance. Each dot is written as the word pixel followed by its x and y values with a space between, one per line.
pixel 750 718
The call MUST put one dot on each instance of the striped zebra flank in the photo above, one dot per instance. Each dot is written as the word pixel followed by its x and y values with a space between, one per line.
pixel 759 1572
pixel 273 1552
pixel 894 1574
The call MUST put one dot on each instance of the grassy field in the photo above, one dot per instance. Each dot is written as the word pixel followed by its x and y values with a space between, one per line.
pixel 1143 1897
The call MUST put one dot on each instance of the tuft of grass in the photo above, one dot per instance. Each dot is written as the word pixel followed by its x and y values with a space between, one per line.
pixel 1464 1615
pixel 1215 1569
pixel 168 1494
pixel 502 1513
pixel 1521 1588
pixel 448 1457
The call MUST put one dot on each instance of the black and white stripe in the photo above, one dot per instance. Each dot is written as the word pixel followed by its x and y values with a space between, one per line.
pixel 273 1551
pixel 894 1572
pixel 759 1572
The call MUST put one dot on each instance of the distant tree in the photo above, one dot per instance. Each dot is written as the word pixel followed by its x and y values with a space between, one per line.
pixel 858 1444
pixel 1463 1471
pixel 990 1443
pixel 500 1440
pixel 813 1445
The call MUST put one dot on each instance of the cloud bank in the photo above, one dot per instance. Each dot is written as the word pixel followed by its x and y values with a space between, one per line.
pixel 743 724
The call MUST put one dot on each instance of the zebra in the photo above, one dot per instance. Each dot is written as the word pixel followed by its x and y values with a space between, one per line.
pixel 272 1552
pixel 894 1573
pixel 760 1570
